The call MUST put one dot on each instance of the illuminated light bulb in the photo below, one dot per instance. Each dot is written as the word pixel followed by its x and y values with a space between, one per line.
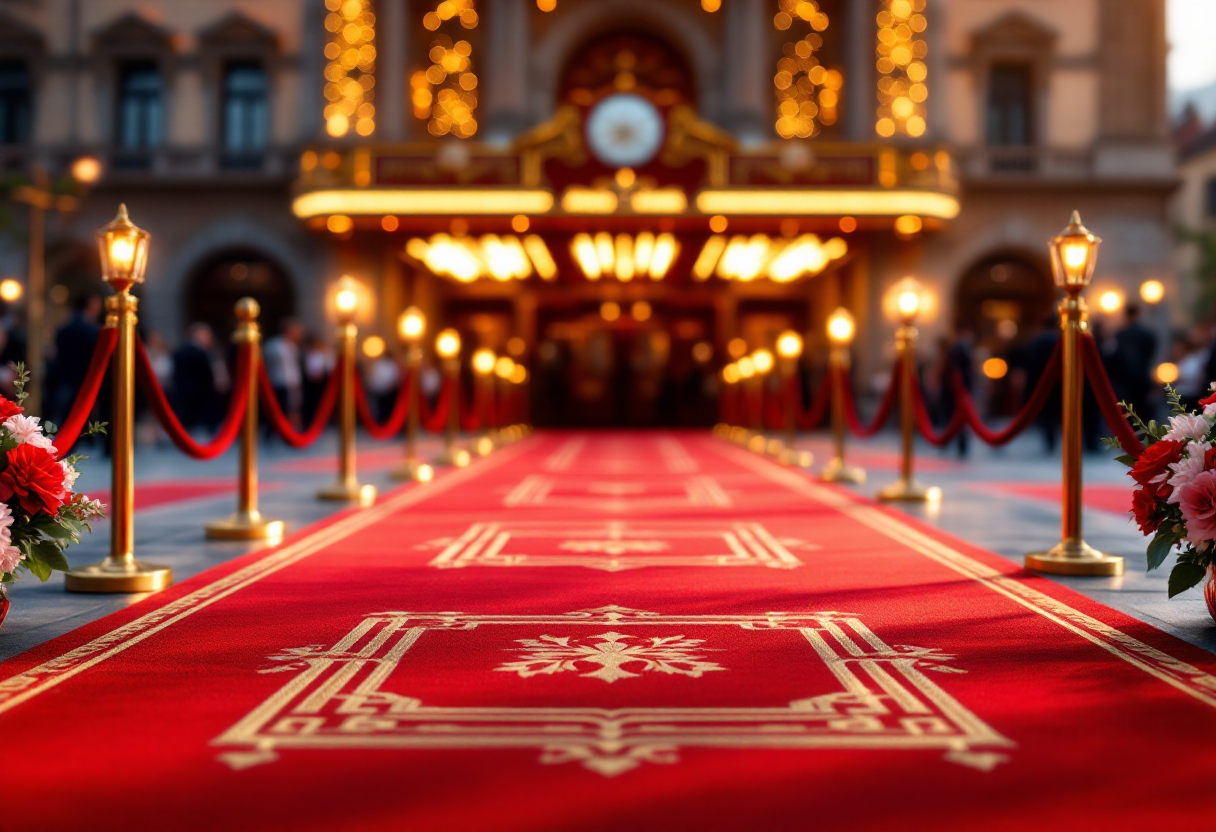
pixel 411 326
pixel 995 368
pixel 736 348
pixel 1074 254
pixel 730 374
pixel 373 346
pixel 1152 291
pixel 907 299
pixel 123 248
pixel 424 473
pixel 640 311
pixel 483 361
pixel 519 374
pixel 86 170
pixel 909 304
pixel 747 367
pixel 610 311
pixel 542 260
pixel 707 260
pixel 504 367
pixel 520 223
pixel 643 252
pixel 789 344
pixel 908 225
pixel 718 224
pixel 762 360
pixel 339 223
pixel 624 258
pixel 1110 301
pixel 447 343
pixel 11 290
pixel 346 301
pixel 584 252
pixel 841 327
pixel 1167 372
pixel 665 250
pixel 606 251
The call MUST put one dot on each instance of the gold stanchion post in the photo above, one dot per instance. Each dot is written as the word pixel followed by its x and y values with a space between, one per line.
pixel 447 347
pixel 730 392
pixel 789 350
pixel 840 332
pixel 347 488
pixel 762 361
pixel 124 258
pixel 503 368
pixel 906 489
pixel 411 326
pixel 1074 254
pixel 248 523
pixel 482 362
pixel 747 372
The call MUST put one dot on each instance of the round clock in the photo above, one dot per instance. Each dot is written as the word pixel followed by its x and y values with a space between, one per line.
pixel 624 130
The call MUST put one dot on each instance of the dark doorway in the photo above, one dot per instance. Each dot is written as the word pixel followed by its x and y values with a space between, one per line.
pixel 219 282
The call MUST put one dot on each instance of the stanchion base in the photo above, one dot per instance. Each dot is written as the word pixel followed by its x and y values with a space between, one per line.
pixel 839 471
pixel 722 430
pixel 341 492
pixel 457 457
pixel 757 443
pixel 796 458
pixel 413 470
pixel 1075 558
pixel 739 435
pixel 483 446
pixel 117 575
pixel 910 491
pixel 246 525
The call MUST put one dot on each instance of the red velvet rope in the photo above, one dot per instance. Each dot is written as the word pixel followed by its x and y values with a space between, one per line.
pixel 86 397
pixel 1025 417
pixel 227 432
pixel 433 421
pixel 396 419
pixel 471 412
pixel 812 416
pixel 774 406
pixel 925 425
pixel 274 411
pixel 1099 382
pixel 885 407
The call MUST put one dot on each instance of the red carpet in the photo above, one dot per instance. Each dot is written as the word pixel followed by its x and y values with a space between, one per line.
pixel 1113 497
pixel 155 493
pixel 613 632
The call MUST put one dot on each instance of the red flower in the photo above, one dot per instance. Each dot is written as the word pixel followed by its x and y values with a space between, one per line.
pixel 8 408
pixel 1154 462
pixel 35 477
pixel 1204 402
pixel 1147 509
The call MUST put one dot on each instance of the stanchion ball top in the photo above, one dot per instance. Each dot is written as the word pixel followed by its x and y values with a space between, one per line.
pixel 248 309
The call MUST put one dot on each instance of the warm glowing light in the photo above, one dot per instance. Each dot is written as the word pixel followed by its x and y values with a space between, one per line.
pixel 519 374
pixel 389 223
pixel 730 373
pixel 411 326
pixel 736 347
pixel 659 201
pixel 995 368
pixel 908 225
pixel 483 361
pixel 789 344
pixel 578 200
pixel 447 343
pixel 542 260
pixel 546 5
pixel 373 346
pixel 807 92
pixel 346 301
pixel 901 51
pixel 445 93
pixel 86 170
pixel 762 360
pixel 610 310
pixel 909 298
pixel 827 202
pixel 520 223
pixel 841 326
pixel 339 223
pixel 467 258
pixel 718 224
pixel 848 225
pixel 11 290
pixel 624 256
pixel 504 367
pixel 1110 301
pixel 711 5
pixel 1167 373
pixel 640 311
pixel 1074 255
pixel 124 251
pixel 625 178
pixel 702 351
pixel 424 473
pixel 350 67
pixel 747 368
pixel 516 346
pixel 421 201
pixel 1152 291
pixel 781 260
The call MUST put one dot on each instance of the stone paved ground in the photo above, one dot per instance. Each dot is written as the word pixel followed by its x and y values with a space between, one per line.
pixel 972 509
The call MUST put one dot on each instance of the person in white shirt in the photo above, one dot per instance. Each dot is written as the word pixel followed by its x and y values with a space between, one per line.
pixel 282 356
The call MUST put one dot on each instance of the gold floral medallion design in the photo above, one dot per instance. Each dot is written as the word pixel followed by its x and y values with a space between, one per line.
pixel 612 653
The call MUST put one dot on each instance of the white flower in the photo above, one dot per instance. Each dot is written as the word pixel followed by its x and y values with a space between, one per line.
pixel 70 475
pixel 26 430
pixel 10 555
pixel 1209 411
pixel 1186 469
pixel 1184 426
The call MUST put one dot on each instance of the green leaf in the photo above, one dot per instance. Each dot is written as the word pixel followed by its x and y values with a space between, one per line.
pixel 1126 459
pixel 37 568
pixel 51 554
pixel 1159 548
pixel 1186 574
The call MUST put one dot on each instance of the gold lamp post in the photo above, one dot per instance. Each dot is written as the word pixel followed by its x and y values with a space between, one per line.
pixel 124 258
pixel 504 367
pixel 483 376
pixel 447 347
pixel 789 350
pixel 346 298
pixel 248 523
pixel 841 329
pixel 411 327
pixel 1074 254
pixel 908 301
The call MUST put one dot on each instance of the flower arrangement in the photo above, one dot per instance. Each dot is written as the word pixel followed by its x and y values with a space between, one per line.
pixel 40 515
pixel 1174 501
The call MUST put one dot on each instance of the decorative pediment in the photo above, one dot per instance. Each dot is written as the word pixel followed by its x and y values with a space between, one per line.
pixel 133 33
pixel 238 32
pixel 17 37
pixel 1014 32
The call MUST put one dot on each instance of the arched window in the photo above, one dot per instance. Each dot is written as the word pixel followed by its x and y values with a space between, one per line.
pixel 1005 298
pixel 218 282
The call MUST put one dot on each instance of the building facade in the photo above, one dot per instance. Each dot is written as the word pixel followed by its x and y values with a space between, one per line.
pixel 624 187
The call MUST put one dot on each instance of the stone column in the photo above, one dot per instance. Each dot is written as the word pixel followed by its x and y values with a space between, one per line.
pixel 503 72
pixel 936 112
pixel 312 70
pixel 860 99
pixel 392 38
pixel 748 102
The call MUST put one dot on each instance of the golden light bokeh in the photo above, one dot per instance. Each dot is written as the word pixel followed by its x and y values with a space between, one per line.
pixel 995 368
pixel 762 360
pixel 1166 372
pixel 373 346
pixel 841 327
pixel 789 344
pixel 1110 301
pixel 1152 291
pixel 483 361
pixel 11 290
pixel 447 343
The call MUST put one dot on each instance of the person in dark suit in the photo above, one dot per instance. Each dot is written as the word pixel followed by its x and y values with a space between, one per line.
pixel 195 397
pixel 1135 350
pixel 960 362
pixel 74 345
pixel 1036 355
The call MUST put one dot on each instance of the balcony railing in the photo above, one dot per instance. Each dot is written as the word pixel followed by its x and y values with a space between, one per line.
pixel 1025 163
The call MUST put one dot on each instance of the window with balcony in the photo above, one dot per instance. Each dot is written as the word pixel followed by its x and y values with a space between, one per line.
pixel 16 102
pixel 140 118
pixel 245 115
